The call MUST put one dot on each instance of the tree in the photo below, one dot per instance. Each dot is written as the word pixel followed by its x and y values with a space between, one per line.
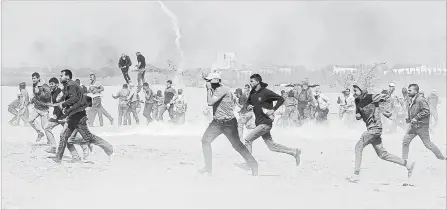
pixel 367 78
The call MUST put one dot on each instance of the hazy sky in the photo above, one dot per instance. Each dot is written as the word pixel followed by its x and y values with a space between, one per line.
pixel 94 33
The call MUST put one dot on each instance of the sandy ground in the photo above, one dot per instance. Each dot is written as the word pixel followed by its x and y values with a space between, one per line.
pixel 156 167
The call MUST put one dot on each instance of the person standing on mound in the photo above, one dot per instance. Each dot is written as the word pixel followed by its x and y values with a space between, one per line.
pixel 224 122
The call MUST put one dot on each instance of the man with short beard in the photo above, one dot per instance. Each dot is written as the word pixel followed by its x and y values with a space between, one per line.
pixel 419 119
pixel 41 93
pixel 148 102
pixel 95 90
pixel 224 122
pixel 74 105
pixel 124 63
pixel 261 100
pixel 367 108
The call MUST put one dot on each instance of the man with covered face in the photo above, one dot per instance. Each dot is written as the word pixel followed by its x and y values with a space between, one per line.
pixel 367 109
pixel 419 120
pixel 224 122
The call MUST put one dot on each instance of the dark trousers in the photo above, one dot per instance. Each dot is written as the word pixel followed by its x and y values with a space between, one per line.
pixel 423 133
pixel 229 129
pixel 126 74
pixel 163 108
pixel 79 121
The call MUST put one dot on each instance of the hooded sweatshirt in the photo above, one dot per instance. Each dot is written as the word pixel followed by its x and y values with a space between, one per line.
pixel 368 108
pixel 264 98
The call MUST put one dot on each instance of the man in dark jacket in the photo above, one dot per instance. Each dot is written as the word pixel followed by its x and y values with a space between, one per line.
pixel 74 105
pixel 261 100
pixel 367 108
pixel 124 63
pixel 141 69
pixel 41 92
pixel 419 119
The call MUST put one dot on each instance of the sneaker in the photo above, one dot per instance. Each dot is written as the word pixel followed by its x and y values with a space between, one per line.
pixel 51 150
pixel 111 157
pixel 111 121
pixel 75 160
pixel 206 170
pixel 55 161
pixel 254 171
pixel 297 156
pixel 353 179
pixel 410 167
pixel 39 137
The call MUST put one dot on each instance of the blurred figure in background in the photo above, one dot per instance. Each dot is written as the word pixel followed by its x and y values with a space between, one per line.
pixel 122 106
pixel 133 100
pixel 148 102
pixel 180 107
pixel 322 106
pixel 433 101
pixel 290 110
pixel 169 96
pixel 19 107
pixel 246 117
pixel 141 68
pixel 95 90
pixel 158 103
pixel 347 107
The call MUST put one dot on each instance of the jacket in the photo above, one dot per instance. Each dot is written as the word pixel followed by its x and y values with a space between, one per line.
pixel 74 99
pixel 41 97
pixel 57 111
pixel 368 108
pixel 126 62
pixel 419 110
pixel 263 98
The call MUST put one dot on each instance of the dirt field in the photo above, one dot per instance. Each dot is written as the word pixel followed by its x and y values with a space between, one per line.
pixel 156 167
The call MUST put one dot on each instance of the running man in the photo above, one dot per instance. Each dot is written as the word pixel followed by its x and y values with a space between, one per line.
pixel 367 108
pixel 224 122
pixel 42 96
pixel 56 96
pixel 74 106
pixel 419 119
pixel 19 107
pixel 261 99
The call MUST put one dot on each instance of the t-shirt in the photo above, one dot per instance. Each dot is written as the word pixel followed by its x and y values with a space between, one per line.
pixel 142 60
pixel 169 94
pixel 224 108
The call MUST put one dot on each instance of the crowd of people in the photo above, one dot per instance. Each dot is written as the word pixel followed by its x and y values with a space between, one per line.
pixel 255 108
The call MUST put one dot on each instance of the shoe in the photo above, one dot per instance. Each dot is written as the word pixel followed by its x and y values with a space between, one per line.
pixel 297 156
pixel 353 179
pixel 111 157
pixel 51 150
pixel 90 146
pixel 410 167
pixel 111 121
pixel 39 137
pixel 206 170
pixel 254 171
pixel 75 160
pixel 55 161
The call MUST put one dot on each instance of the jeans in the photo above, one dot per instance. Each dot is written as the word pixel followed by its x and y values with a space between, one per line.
pixel 79 121
pixel 263 131
pixel 97 109
pixel 374 137
pixel 229 129
pixel 43 114
pixel 122 112
pixel 245 119
pixel 140 77
pixel 423 133
pixel 126 74
pixel 162 110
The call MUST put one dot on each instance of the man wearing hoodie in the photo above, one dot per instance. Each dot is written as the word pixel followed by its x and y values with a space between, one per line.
pixel 74 105
pixel 261 100
pixel 419 119
pixel 367 108
pixel 224 122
